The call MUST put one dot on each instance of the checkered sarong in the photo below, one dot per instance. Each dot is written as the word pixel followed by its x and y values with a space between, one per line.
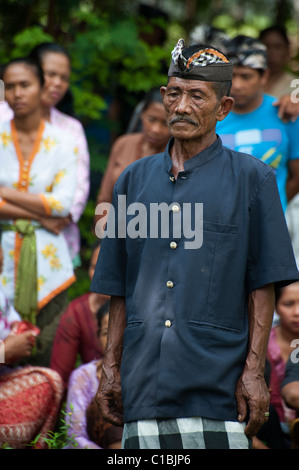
pixel 185 433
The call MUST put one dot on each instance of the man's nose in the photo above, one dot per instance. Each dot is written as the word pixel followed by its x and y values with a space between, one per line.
pixel 18 91
pixel 57 81
pixel 183 104
pixel 236 83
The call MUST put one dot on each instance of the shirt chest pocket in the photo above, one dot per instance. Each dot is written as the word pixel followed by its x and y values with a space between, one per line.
pixel 220 279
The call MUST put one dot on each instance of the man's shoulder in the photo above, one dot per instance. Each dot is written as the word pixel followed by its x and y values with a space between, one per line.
pixel 247 162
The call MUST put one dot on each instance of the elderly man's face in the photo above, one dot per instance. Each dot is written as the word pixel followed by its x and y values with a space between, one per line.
pixel 191 107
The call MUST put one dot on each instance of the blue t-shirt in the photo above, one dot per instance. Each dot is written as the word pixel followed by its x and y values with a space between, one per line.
pixel 262 134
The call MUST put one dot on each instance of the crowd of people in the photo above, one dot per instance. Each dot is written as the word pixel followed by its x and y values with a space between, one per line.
pixel 52 350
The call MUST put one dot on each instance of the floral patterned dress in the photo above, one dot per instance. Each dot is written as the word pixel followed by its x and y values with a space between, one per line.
pixel 76 131
pixel 50 172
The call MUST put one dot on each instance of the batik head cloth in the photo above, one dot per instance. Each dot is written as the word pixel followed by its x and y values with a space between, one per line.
pixel 205 63
pixel 247 52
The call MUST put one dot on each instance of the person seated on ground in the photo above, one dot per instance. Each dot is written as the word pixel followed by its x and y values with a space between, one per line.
pixel 77 332
pixel 280 348
pixel 290 383
pixel 290 394
pixel 30 396
pixel 87 429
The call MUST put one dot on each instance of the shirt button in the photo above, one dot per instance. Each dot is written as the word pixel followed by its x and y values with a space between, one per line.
pixel 173 245
pixel 26 163
pixel 172 178
pixel 169 284
pixel 168 323
pixel 175 208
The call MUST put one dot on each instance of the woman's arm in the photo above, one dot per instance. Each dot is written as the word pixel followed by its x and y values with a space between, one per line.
pixel 11 211
pixel 27 201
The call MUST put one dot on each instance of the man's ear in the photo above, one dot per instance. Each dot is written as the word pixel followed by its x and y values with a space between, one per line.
pixel 162 91
pixel 225 107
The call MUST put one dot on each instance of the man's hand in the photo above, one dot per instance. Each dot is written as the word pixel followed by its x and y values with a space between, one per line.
pixel 108 397
pixel 252 400
pixel 55 224
pixel 287 109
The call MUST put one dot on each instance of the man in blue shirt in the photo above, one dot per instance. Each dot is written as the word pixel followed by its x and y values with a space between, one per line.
pixel 192 291
pixel 254 126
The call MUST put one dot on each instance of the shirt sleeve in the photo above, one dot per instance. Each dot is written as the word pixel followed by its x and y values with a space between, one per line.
pixel 83 173
pixel 270 253
pixel 110 273
pixel 59 200
pixel 292 370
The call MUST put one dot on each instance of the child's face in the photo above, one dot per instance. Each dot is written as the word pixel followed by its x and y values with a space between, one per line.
pixel 288 308
pixel 104 331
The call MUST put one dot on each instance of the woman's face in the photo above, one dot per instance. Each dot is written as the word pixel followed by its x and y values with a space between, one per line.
pixel 57 70
pixel 287 308
pixel 154 125
pixel 104 331
pixel 22 89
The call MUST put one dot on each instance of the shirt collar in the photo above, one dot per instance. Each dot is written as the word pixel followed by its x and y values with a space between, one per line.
pixel 199 159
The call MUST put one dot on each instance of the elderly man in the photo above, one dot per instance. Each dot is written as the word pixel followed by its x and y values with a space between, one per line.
pixel 190 316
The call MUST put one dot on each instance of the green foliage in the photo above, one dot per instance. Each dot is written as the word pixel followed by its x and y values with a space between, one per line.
pixel 59 438
pixel 108 55
pixel 27 39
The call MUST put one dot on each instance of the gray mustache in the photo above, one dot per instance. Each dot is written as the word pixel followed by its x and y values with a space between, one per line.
pixel 182 118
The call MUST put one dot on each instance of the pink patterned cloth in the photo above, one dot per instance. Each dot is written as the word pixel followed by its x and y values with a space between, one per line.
pixel 30 399
pixel 6 113
pixel 75 129
pixel 278 366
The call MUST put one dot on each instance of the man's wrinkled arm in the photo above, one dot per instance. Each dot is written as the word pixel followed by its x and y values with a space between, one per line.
pixel 108 395
pixel 252 392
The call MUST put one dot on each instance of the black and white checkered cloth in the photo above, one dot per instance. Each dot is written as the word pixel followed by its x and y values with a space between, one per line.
pixel 185 433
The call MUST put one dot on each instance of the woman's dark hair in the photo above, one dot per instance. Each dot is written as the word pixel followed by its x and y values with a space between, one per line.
pixel 33 64
pixel 153 96
pixel 101 313
pixel 39 51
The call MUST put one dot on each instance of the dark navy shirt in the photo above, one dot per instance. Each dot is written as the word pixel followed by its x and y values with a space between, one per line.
pixel 186 337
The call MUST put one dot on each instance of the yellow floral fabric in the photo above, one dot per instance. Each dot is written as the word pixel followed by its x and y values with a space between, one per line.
pixel 52 175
